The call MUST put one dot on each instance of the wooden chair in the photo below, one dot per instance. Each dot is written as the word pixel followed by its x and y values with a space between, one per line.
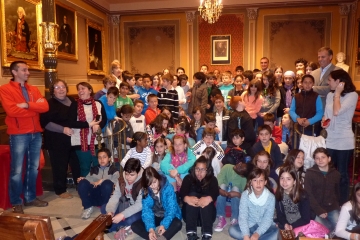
pixel 14 226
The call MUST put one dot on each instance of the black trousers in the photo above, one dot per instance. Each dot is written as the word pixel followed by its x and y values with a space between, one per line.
pixel 60 159
pixel 197 216
pixel 138 227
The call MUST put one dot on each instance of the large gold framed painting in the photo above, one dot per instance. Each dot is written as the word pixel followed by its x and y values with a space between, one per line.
pixel 20 32
pixel 95 48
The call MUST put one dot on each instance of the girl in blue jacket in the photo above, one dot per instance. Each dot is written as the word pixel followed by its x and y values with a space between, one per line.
pixel 159 208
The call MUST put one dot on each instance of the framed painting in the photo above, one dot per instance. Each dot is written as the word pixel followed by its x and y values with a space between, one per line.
pixel 95 48
pixel 20 32
pixel 220 49
pixel 66 18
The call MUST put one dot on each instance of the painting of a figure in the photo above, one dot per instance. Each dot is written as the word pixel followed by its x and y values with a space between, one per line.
pixel 20 33
pixel 220 49
pixel 95 37
pixel 66 19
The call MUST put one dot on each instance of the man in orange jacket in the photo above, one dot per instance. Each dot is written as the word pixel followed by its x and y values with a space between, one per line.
pixel 23 103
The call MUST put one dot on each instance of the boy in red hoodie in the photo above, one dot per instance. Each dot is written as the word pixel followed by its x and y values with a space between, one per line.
pixel 269 119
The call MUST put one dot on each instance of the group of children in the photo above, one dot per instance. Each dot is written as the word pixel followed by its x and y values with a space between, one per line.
pixel 220 143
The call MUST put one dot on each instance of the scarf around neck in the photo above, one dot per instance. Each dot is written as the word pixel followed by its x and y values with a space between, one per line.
pixel 259 201
pixel 178 159
pixel 84 132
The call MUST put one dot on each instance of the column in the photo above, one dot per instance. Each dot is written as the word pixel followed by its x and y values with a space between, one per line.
pixel 344 12
pixel 190 16
pixel 251 51
pixel 114 38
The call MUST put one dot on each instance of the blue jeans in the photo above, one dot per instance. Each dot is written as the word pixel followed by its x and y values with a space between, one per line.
pixel 98 196
pixel 270 234
pixel 340 159
pixel 221 204
pixel 330 221
pixel 127 222
pixel 22 145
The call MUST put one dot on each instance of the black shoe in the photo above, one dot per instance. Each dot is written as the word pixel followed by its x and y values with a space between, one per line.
pixel 37 203
pixel 17 209
pixel 192 236
pixel 206 236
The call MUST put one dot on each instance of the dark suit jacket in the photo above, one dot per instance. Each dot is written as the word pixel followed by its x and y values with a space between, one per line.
pixel 321 86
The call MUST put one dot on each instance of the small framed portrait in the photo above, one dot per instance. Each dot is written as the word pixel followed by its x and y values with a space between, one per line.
pixel 20 32
pixel 66 18
pixel 95 48
pixel 220 49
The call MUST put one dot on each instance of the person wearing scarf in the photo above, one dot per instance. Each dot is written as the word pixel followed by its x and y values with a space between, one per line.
pixel 82 115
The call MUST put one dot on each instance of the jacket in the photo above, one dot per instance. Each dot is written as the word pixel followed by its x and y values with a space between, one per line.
pixel 225 118
pixel 166 165
pixel 189 187
pixel 304 209
pixel 58 114
pixel 20 120
pixel 242 120
pixel 323 190
pixel 110 172
pixel 199 97
pixel 168 201
pixel 135 202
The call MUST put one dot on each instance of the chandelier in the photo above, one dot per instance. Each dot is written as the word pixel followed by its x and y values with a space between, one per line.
pixel 210 10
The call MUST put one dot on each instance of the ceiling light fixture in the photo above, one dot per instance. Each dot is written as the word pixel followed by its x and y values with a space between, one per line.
pixel 210 10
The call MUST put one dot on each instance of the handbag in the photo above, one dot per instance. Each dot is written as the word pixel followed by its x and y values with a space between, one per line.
pixel 312 230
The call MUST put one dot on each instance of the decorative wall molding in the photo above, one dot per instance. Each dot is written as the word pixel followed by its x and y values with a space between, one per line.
pixel 114 20
pixel 252 13
pixel 190 16
pixel 344 9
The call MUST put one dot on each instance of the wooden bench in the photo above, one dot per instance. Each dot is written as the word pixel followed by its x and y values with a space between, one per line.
pixel 14 226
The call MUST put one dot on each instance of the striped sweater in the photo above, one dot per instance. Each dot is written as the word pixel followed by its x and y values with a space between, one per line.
pixel 170 99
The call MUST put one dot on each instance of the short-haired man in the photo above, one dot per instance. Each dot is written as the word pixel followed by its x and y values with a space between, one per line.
pixel 23 104
pixel 264 64
pixel 321 86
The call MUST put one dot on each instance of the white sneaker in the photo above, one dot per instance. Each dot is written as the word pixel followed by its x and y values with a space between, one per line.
pixel 234 221
pixel 87 213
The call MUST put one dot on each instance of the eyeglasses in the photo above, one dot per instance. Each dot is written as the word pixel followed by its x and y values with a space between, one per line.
pixel 200 170
pixel 59 87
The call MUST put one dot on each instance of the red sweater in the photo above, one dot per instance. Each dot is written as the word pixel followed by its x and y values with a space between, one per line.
pixel 150 115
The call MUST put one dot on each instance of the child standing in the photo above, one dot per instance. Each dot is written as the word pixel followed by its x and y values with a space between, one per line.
pixel 108 101
pixel 96 188
pixel 137 120
pixel 256 210
pixel 198 94
pixel 267 144
pixel 253 99
pixel 155 82
pixel 229 174
pixel 152 111
pixel 210 83
pixel 145 91
pixel 292 202
pixel 233 152
pixel 139 149
pixel 138 82
pixel 168 96
pixel 178 161
pixel 238 86
pixel 199 191
pixel 183 79
pixel 227 85
pixel 322 183
pixel 222 116
pixel 123 98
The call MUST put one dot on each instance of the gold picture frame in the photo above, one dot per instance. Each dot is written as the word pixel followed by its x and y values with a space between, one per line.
pixel 20 33
pixel 95 48
pixel 66 18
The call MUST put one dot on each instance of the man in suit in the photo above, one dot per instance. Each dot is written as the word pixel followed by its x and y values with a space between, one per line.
pixel 65 36
pixel 321 86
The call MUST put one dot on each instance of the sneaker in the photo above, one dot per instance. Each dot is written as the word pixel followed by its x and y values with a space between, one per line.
pixel 65 195
pixel 206 236
pixel 37 203
pixel 87 213
pixel 234 221
pixel 17 209
pixel 192 236
pixel 221 224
